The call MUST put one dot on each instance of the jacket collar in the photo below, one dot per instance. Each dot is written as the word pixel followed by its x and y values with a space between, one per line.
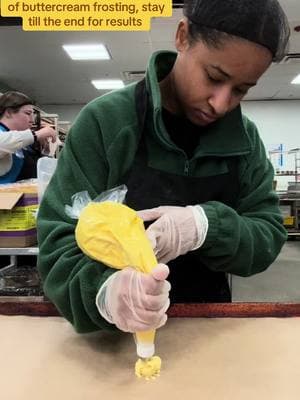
pixel 3 127
pixel 225 137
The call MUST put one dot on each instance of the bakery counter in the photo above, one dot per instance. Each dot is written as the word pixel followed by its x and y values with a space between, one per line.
pixel 203 358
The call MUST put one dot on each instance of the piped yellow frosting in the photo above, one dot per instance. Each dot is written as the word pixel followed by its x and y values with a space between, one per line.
pixel 148 368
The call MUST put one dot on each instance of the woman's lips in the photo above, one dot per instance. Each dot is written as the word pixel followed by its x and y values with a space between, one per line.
pixel 204 117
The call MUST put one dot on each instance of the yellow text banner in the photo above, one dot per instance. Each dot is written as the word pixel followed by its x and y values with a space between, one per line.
pixel 86 15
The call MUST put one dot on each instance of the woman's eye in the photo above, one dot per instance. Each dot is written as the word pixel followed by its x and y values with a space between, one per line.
pixel 241 91
pixel 212 79
pixel 237 91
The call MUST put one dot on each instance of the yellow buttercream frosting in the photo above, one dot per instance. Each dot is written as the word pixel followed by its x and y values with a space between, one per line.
pixel 114 234
pixel 149 368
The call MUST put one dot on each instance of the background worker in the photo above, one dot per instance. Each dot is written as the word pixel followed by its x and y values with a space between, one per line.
pixel 17 160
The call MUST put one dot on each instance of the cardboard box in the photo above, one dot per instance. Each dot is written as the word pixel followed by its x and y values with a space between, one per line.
pixel 289 221
pixel 17 218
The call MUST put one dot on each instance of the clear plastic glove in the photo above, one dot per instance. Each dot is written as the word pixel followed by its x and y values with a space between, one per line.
pixel 134 301
pixel 176 231
pixel 45 133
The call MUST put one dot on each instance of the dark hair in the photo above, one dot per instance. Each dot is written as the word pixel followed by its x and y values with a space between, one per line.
pixel 259 21
pixel 14 101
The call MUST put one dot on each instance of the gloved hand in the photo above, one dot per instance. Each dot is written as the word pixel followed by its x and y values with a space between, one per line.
pixel 135 301
pixel 176 231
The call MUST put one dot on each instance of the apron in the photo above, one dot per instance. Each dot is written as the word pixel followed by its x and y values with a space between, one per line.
pixel 17 163
pixel 191 280
pixel 29 168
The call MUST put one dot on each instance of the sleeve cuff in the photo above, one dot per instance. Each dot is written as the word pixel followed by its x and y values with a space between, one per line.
pixel 101 300
pixel 28 138
pixel 201 225
pixel 213 225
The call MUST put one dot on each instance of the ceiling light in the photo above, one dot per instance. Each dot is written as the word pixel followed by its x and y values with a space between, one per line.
pixel 108 84
pixel 296 81
pixel 87 52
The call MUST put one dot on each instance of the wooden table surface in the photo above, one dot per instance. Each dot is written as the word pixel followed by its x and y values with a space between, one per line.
pixel 42 358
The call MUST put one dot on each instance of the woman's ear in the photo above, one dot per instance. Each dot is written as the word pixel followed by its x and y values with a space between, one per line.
pixel 7 113
pixel 182 36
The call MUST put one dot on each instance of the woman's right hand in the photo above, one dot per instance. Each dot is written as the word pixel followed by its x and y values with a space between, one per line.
pixel 46 133
pixel 135 301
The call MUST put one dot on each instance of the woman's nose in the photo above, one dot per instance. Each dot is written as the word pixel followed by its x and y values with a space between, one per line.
pixel 221 100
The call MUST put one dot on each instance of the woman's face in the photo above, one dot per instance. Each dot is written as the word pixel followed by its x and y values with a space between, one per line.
pixel 22 119
pixel 209 82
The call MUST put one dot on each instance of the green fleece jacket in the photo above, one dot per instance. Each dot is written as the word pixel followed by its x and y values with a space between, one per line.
pixel 100 149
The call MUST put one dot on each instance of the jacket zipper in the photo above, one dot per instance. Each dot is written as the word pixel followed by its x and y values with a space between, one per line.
pixel 186 167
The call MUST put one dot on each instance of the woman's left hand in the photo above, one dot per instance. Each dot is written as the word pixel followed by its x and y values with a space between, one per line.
pixel 176 230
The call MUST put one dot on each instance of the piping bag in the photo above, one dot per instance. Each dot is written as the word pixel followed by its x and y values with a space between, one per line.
pixel 110 232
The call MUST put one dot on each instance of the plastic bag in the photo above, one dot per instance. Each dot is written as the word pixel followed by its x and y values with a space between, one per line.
pixel 110 232
pixel 45 169
pixel 82 199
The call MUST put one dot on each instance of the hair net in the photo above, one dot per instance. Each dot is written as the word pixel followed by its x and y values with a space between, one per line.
pixel 259 21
